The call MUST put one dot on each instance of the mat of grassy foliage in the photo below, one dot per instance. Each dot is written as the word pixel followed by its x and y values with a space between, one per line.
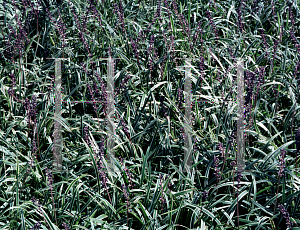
pixel 150 39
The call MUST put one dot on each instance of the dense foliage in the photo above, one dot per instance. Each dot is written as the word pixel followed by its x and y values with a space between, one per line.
pixel 150 41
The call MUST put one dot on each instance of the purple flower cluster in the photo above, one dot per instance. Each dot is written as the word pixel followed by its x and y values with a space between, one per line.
pixel 11 91
pixel 167 6
pixel 294 39
pixel 264 41
pixel 104 96
pixel 30 17
pixel 170 183
pixel 91 93
pixel 35 8
pixel 285 215
pixel 182 21
pixel 180 98
pixel 100 165
pixel 240 19
pixel 94 91
pixel 172 48
pixel 161 199
pixel 50 179
pixel 51 86
pixel 255 7
pixel 141 36
pixel 134 47
pixel 204 195
pixel 201 67
pixel 212 23
pixel 162 67
pixel 231 55
pixel 222 150
pixel 151 50
pixel 273 9
pixel 216 168
pixel 86 135
pixel 196 35
pixel 36 226
pixel 250 82
pixel 129 176
pixel 9 52
pixel 158 11
pixel 31 108
pixel 282 162
pixel 83 23
pixel 127 172
pixel 66 226
pixel 125 128
pixel 37 204
pixel 196 149
pixel 157 14
pixel 186 28
pixel 126 195
pixel 61 29
pixel 30 165
pixel 39 208
pixel 260 80
pixel 95 13
pixel 281 33
pixel 123 86
pixel 118 9
pixel 59 25
pixel 80 29
pixel 34 147
pixel 291 15
pixel 21 38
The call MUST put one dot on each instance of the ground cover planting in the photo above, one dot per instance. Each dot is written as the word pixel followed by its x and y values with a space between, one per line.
pixel 159 114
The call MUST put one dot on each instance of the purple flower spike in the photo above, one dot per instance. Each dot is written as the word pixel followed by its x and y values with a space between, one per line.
pixel 285 215
pixel 50 179
pixel 213 25
pixel 216 168
pixel 240 19
pixel 126 195
pixel 86 135
pixel 13 84
pixel 204 195
pixel 180 98
pixel 239 177
pixel 161 199
pixel 37 204
pixel 125 128
pixel 100 164
pixel 264 42
pixel 222 150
